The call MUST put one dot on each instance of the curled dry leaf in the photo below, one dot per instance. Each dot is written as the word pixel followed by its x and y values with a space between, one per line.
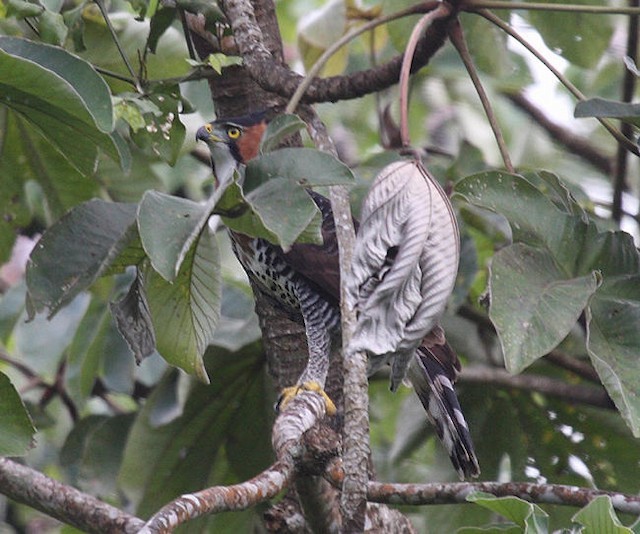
pixel 405 265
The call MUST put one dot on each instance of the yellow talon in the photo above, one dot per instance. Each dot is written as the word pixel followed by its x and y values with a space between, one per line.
pixel 289 393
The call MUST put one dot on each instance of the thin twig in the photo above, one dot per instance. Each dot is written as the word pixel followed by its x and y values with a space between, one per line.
pixel 628 89
pixel 326 55
pixel 474 5
pixel 115 75
pixel 456 35
pixel 442 11
pixel 114 36
pixel 627 143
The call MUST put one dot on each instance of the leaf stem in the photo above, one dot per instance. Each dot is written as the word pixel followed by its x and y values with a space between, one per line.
pixel 114 36
pixel 115 75
pixel 627 143
pixel 456 34
pixel 322 60
pixel 442 11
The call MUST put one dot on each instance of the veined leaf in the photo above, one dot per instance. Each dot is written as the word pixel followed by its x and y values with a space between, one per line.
pixel 17 428
pixel 528 516
pixel 185 312
pixel 599 517
pixel 74 252
pixel 279 129
pixel 613 340
pixel 62 96
pixel 533 304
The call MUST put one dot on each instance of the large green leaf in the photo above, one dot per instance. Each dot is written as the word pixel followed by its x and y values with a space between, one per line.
pixel 93 451
pixel 613 339
pixel 74 252
pixel 533 217
pixel 185 312
pixel 599 517
pixel 528 516
pixel 168 227
pixel 17 430
pixel 26 155
pixel 221 437
pixel 273 203
pixel 304 167
pixel 540 285
pixel 63 97
pixel 533 305
pixel 582 38
pixel 262 213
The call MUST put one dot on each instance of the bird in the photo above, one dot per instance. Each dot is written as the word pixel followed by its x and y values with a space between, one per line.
pixel 305 282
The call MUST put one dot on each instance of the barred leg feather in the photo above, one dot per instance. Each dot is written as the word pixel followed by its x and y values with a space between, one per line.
pixel 435 390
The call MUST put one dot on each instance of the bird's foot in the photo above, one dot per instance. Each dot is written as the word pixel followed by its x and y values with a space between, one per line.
pixel 289 393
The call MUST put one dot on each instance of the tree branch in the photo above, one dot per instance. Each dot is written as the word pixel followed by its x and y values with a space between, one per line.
pixel 275 77
pixel 572 393
pixel 187 507
pixel 452 493
pixel 578 145
pixel 356 397
pixel 65 503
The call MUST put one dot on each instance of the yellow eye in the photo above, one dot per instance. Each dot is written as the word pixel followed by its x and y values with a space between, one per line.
pixel 208 127
pixel 233 132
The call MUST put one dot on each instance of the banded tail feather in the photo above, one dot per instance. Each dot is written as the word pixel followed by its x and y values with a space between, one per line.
pixel 432 382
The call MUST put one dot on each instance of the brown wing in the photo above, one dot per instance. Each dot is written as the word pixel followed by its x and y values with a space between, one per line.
pixel 319 263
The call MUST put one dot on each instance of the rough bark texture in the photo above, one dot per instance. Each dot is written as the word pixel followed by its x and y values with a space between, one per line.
pixel 23 484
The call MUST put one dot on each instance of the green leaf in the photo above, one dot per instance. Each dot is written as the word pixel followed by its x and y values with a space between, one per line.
pixel 26 155
pixel 21 10
pixel 52 28
pixel 528 516
pixel 85 352
pixel 74 252
pixel 185 312
pixel 281 127
pixel 301 166
pixel 17 433
pixel 579 37
pixel 94 450
pixel 599 517
pixel 287 211
pixel 164 133
pixel 601 107
pixel 168 227
pixel 533 217
pixel 161 20
pixel 613 339
pixel 228 419
pixel 63 97
pixel 219 61
pixel 533 304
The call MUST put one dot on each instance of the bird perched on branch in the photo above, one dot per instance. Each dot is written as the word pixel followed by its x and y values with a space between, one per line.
pixel 305 281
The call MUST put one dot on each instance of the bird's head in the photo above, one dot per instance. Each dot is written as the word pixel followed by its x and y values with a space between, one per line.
pixel 232 142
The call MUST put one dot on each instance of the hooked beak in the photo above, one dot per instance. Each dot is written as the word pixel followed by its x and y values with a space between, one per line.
pixel 203 134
